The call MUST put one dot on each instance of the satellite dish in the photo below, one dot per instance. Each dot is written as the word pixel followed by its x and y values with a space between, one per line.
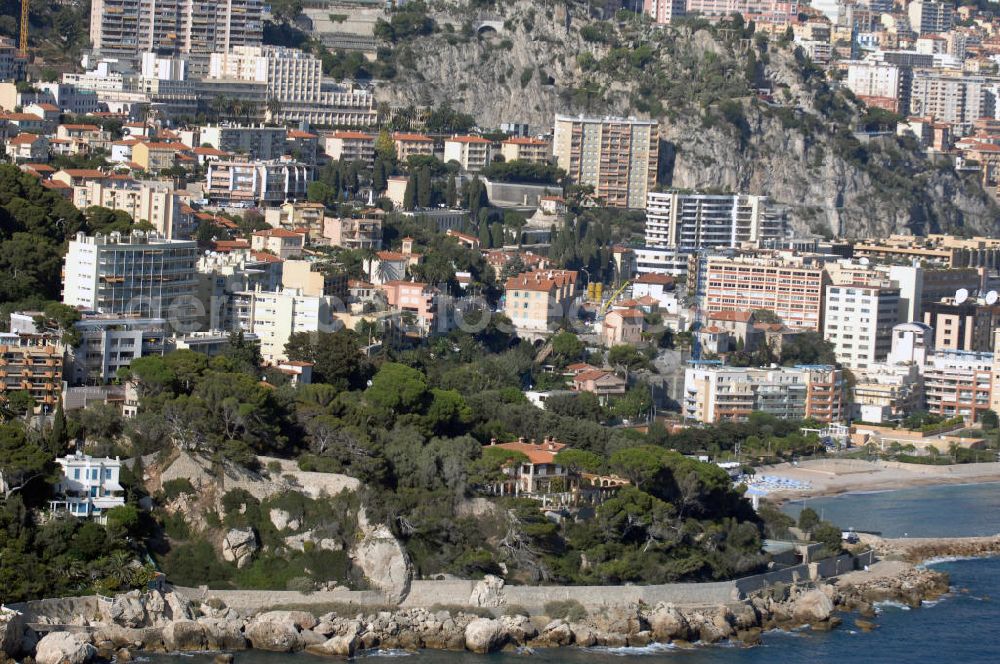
pixel 864 261
pixel 961 295
pixel 991 297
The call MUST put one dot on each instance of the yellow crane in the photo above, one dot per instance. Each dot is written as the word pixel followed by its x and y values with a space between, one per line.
pixel 23 45
pixel 614 296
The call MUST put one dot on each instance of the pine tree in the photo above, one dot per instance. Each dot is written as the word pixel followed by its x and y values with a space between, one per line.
pixel 410 194
pixel 385 147
pixel 451 193
pixel 424 187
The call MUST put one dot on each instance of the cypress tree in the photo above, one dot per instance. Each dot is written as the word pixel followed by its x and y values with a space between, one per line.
pixel 451 193
pixel 424 187
pixel 410 194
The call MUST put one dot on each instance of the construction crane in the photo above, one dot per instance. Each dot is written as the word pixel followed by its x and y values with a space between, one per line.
pixel 23 45
pixel 614 296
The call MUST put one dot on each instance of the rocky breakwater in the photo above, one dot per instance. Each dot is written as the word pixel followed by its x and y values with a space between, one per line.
pixel 157 622
pixel 916 550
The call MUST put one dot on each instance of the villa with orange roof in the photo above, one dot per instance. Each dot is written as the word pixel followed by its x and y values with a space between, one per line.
pixel 536 302
pixel 27 148
pixel 622 326
pixel 350 146
pixel 415 299
pixel 279 241
pixel 391 265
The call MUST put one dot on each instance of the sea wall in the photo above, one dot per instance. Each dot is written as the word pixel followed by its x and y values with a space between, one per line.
pixel 425 594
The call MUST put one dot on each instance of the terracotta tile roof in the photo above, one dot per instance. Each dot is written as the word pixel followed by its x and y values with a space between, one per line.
pixel 525 140
pixel 23 139
pixel 580 366
pixel 81 127
pixel 265 257
pixel 159 145
pixel 466 139
pixel 55 184
pixel 595 375
pixel 541 280
pixel 731 316
pixel 412 137
pixel 661 279
pixel 537 453
pixel 84 173
pixel 45 106
pixel 276 232
pixel 392 256
pixel 24 117
pixel 357 283
pixel 298 133
pixel 352 135
pixel 210 152
pixel 224 246
pixel 38 168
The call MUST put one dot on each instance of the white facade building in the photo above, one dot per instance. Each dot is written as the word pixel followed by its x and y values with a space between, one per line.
pixel 275 315
pixel 695 221
pixel 89 486
pixel 155 202
pixel 858 321
pixel 134 275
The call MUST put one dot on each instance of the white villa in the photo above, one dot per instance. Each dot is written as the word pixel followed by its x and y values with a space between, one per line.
pixel 89 486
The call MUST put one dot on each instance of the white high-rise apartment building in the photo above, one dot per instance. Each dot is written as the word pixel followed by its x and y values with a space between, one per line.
pixel 858 321
pixel 131 27
pixel 695 221
pixel 616 156
pixel 133 275
pixel 950 97
pixel 275 315
pixel 290 75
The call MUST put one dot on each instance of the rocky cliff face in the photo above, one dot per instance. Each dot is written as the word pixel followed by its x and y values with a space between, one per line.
pixel 797 150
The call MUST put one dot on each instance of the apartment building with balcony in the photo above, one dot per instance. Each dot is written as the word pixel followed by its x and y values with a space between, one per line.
pixel 132 275
pixel 348 146
pixel 787 285
pixel 364 232
pixel 266 183
pixel 859 321
pixel 964 325
pixel 255 141
pixel 526 148
pixel 471 152
pixel 958 384
pixel 275 315
pixel 716 393
pixel 155 202
pixel 302 215
pixel 33 363
pixel 616 156
pixel 414 300
pixel 109 343
pixel 408 145
pixel 127 28
pixel 697 221
pixel 88 486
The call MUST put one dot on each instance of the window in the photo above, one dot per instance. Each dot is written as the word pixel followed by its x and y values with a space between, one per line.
pixel 107 473
pixel 76 473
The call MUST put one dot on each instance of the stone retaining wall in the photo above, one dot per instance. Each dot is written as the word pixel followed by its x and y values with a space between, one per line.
pixel 425 594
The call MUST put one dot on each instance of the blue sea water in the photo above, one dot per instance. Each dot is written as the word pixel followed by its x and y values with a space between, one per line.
pixel 963 627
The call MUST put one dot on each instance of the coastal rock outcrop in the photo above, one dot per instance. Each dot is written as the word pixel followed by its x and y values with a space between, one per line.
pixel 384 562
pixel 184 635
pixel 127 610
pixel 812 606
pixel 336 646
pixel 239 546
pixel 11 633
pixel 667 623
pixel 274 635
pixel 65 648
pixel 485 635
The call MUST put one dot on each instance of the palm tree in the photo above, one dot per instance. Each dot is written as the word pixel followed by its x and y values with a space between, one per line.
pixel 369 255
pixel 120 568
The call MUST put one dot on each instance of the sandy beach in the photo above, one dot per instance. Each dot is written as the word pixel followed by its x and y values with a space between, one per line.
pixel 827 477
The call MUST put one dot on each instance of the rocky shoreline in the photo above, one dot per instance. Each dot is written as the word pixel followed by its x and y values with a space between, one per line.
pixel 166 622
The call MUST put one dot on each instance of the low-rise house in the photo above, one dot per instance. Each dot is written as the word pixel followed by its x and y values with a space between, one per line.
pixel 414 299
pixel 348 146
pixel 155 156
pixel 298 214
pixel 536 302
pixel 470 241
pixel 533 150
pixel 658 286
pixel 278 241
pixel 391 265
pixel 75 177
pixel 739 324
pixel 408 145
pixel 622 326
pixel 25 122
pixel 88 486
pixel 27 147
pixel 89 134
pixel 601 382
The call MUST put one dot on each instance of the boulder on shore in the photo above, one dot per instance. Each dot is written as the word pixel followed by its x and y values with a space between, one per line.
pixel 184 635
pixel 384 562
pixel 812 606
pixel 485 635
pixel 64 648
pixel 336 646
pixel 274 636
